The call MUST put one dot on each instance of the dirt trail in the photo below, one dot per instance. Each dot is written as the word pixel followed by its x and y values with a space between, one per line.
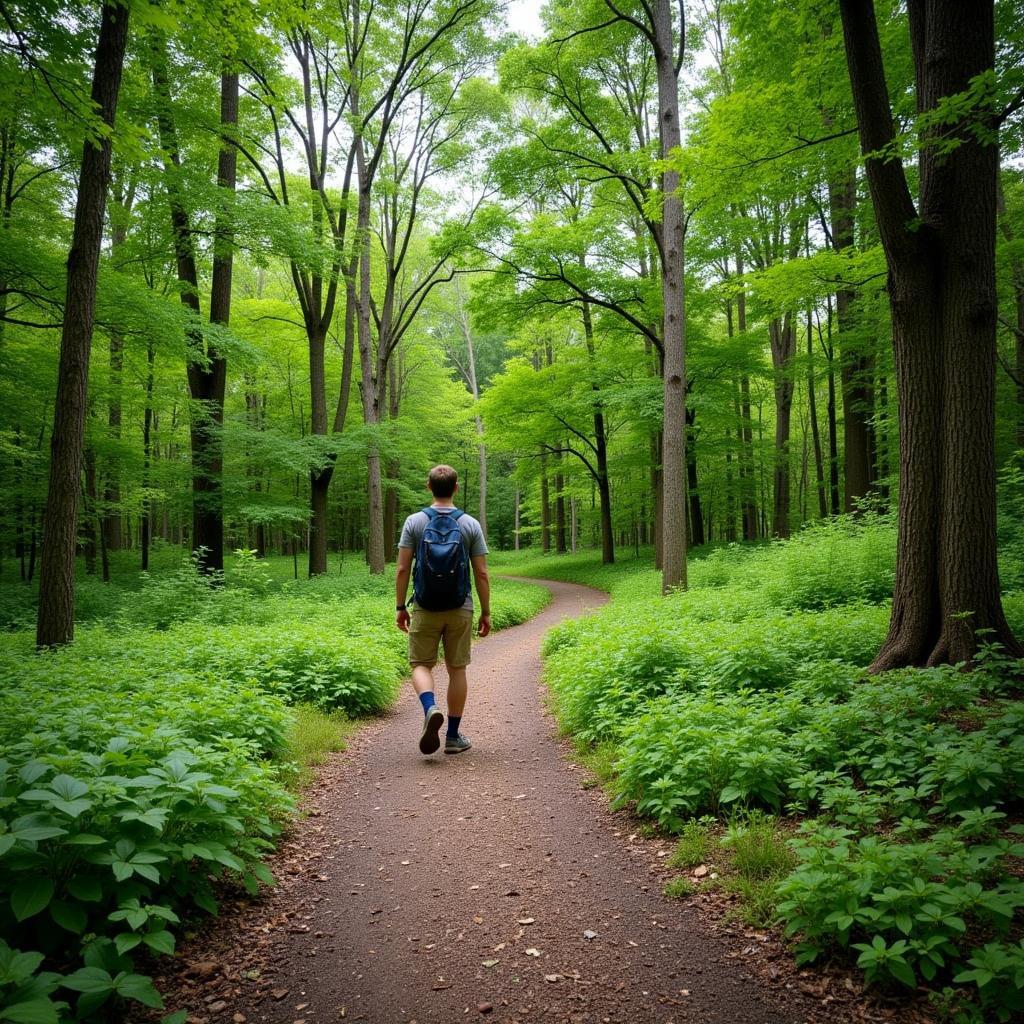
pixel 423 889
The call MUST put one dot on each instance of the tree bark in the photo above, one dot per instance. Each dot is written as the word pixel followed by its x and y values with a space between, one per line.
pixel 942 295
pixel 371 412
pixel 474 388
pixel 748 500
pixel 783 345
pixel 812 408
pixel 696 511
pixel 55 623
pixel 673 451
pixel 601 450
pixel 206 368
pixel 147 460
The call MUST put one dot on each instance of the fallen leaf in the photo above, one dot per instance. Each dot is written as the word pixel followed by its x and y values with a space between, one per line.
pixel 701 871
pixel 533 952
pixel 525 920
pixel 551 977
pixel 490 963
pixel 478 920
pixel 279 993
pixel 588 934
pixel 238 1018
pixel 504 865
pixel 217 1006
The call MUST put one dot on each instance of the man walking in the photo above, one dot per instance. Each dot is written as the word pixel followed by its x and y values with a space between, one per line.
pixel 446 542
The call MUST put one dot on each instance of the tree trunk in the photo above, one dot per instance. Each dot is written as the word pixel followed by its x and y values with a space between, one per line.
pixel 371 412
pixel 783 345
pixel 55 623
pixel 673 452
pixel 90 513
pixel 474 387
pixel 942 295
pixel 812 408
pixel 601 449
pixel 206 368
pixel 515 527
pixel 746 429
pixel 147 459
pixel 696 512
pixel 560 542
pixel 545 507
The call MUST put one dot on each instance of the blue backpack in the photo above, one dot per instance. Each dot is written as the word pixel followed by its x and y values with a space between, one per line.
pixel 440 579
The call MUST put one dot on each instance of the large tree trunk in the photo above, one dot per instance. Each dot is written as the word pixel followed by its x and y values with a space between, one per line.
pixel 545 507
pixel 206 369
pixel 55 623
pixel 673 449
pixel 942 294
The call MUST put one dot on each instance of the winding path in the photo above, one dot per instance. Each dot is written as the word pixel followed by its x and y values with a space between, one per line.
pixel 488 884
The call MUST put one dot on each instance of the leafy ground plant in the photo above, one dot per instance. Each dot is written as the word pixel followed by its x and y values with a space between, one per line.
pixel 874 818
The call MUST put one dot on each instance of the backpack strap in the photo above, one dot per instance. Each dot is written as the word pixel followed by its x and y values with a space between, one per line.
pixel 457 514
pixel 431 513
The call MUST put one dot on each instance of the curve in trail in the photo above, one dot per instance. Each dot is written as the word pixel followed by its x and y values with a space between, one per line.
pixel 445 888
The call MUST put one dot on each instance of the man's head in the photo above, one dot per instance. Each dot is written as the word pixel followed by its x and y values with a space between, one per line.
pixel 443 481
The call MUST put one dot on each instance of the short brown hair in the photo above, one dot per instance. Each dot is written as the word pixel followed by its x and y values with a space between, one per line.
pixel 442 481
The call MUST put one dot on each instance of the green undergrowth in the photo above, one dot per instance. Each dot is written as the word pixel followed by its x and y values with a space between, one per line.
pixel 155 761
pixel 739 715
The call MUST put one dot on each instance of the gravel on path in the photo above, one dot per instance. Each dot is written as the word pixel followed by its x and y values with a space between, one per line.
pixel 488 884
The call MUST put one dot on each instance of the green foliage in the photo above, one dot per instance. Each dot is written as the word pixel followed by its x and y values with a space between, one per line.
pixel 152 761
pixel 746 698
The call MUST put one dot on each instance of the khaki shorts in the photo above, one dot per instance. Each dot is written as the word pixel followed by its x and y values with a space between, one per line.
pixel 428 629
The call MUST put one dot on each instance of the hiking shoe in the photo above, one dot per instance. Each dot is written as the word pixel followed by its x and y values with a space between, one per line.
pixel 430 738
pixel 456 744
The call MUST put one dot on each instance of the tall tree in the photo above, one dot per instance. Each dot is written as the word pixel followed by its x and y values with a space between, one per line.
pixel 941 260
pixel 55 623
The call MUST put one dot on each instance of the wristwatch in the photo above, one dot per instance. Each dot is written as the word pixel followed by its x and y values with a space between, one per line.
pixel 401 607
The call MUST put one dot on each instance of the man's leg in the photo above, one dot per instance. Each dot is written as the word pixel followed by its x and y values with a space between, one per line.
pixel 457 641
pixel 423 684
pixel 424 637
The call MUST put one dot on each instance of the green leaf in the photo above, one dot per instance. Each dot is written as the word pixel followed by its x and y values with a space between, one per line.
pixel 125 941
pixel 160 941
pixel 69 916
pixel 32 1011
pixel 902 971
pixel 86 887
pixel 140 988
pixel 93 980
pixel 30 897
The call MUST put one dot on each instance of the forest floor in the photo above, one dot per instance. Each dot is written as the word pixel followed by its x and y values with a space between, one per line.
pixel 493 884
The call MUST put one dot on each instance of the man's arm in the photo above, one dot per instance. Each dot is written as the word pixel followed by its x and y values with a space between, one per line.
pixel 402 574
pixel 483 591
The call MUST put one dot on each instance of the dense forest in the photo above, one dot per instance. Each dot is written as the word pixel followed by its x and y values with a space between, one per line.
pixel 717 291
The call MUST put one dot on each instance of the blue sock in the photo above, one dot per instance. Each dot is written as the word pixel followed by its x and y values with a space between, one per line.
pixel 427 700
pixel 453 725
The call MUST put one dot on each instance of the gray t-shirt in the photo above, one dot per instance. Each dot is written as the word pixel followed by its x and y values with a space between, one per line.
pixel 472 537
